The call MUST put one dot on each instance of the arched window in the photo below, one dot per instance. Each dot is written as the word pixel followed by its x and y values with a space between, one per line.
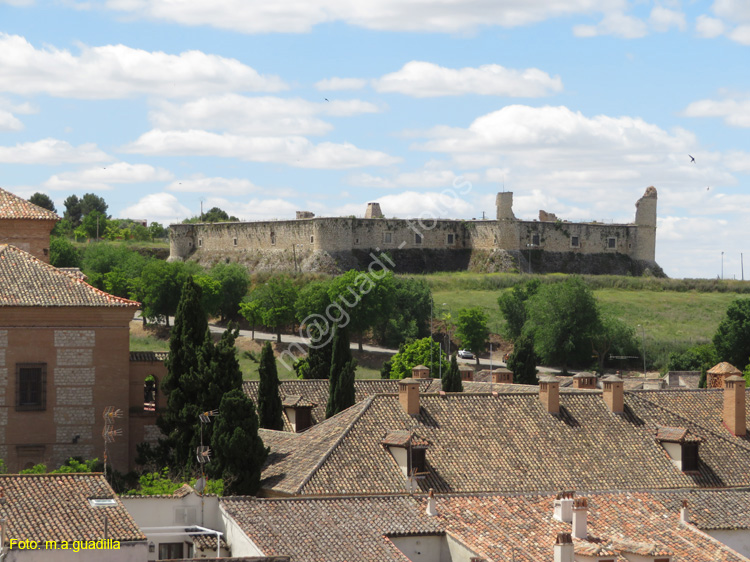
pixel 150 389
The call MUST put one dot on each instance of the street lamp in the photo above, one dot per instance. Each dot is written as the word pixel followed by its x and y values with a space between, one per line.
pixel 643 346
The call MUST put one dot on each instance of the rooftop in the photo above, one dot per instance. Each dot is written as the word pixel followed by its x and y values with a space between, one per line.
pixel 13 207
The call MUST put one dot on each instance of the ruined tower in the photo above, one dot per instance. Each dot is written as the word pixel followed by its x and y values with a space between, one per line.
pixel 504 203
pixel 373 211
pixel 645 220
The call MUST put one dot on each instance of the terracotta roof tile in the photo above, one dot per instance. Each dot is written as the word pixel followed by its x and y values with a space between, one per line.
pixel 13 207
pixel 27 281
pixel 724 368
pixel 149 355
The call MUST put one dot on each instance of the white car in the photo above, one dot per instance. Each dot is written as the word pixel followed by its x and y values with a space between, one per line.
pixel 465 354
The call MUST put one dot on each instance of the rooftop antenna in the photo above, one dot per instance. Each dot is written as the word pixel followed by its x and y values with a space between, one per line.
pixel 109 431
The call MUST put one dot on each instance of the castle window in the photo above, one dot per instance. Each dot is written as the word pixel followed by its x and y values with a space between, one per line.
pixel 200 241
pixel 273 239
pixel 356 241
pixel 312 239
pixel 387 237
pixel 535 239
pixel 31 386
pixel 575 242
pixel 451 239
pixel 611 243
pixel 417 238
pixel 235 241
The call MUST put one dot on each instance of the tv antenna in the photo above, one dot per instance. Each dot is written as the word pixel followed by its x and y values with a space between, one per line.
pixel 109 431
pixel 203 452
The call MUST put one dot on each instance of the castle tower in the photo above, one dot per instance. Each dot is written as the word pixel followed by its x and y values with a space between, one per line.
pixel 504 203
pixel 373 211
pixel 645 220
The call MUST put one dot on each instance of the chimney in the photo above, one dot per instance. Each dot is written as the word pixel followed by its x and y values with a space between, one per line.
pixel 564 548
pixel 614 394
pixel 734 405
pixel 408 395
pixel 584 380
pixel 549 394
pixel 684 515
pixel 503 376
pixel 431 507
pixel 420 372
pixel 564 507
pixel 580 518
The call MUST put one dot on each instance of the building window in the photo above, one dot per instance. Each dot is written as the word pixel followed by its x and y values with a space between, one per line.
pixel 387 237
pixel 451 239
pixel 575 242
pixel 234 240
pixel 31 386
pixel 200 241
pixel 418 461
pixel 690 457
pixel 171 551
pixel 356 241
pixel 312 239
pixel 273 239
pixel 611 243
pixel 417 239
pixel 150 387
pixel 535 239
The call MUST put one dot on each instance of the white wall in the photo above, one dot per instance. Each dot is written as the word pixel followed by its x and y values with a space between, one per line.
pixel 239 543
pixel 738 540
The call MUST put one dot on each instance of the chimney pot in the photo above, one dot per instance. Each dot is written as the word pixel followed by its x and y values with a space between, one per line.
pixel 431 507
pixel 584 380
pixel 580 518
pixel 564 506
pixel 684 514
pixel 502 376
pixel 734 405
pixel 420 372
pixel 563 549
pixel 614 394
pixel 408 395
pixel 549 394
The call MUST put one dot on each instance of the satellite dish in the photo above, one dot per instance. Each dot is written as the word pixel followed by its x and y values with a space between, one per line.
pixel 200 484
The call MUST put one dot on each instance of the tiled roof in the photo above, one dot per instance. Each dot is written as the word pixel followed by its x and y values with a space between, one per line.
pixel 493 527
pixel 675 434
pixel 27 281
pixel 297 400
pixel 500 443
pixel 149 355
pixel 56 507
pixel 724 368
pixel 712 509
pixel 331 530
pixel 13 207
pixel 403 439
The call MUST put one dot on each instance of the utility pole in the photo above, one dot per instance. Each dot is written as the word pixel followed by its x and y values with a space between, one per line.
pixel 722 266
pixel 742 266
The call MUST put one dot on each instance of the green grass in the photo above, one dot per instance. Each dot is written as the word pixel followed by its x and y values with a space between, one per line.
pixel 250 371
pixel 148 344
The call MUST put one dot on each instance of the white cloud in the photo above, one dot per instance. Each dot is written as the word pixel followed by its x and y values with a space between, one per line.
pixel 740 34
pixel 413 204
pixel 733 10
pixel 708 27
pixel 663 19
pixel 17 2
pixel 428 179
pixel 159 207
pixel 335 83
pixel 255 209
pixel 424 79
pixel 255 115
pixel 292 150
pixel 118 71
pixel 51 151
pixel 9 122
pixel 101 178
pixel 300 16
pixel 615 23
pixel 735 111
pixel 223 186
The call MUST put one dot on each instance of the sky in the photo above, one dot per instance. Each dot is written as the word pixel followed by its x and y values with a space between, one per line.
pixel 266 108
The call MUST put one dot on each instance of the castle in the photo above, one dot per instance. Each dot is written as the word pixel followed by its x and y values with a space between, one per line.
pixel 332 244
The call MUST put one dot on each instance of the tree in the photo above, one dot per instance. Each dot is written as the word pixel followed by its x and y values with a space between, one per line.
pixel 562 318
pixel 94 224
pixel 523 360
pixel 156 230
pixel 697 358
pixel 341 377
pixel 276 300
pixel 269 401
pixel 452 377
pixel 214 214
pixel 100 259
pixel 42 200
pixel 234 281
pixel 420 352
pixel 62 253
pixel 252 311
pixel 72 210
pixel 210 293
pixel 512 305
pixel 471 329
pixel 409 315
pixel 91 203
pixel 613 336
pixel 732 338
pixel 159 289
pixel 238 450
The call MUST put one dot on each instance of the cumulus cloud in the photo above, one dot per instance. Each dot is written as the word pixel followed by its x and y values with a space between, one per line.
pixel 157 207
pixel 332 84
pixel 222 186
pixel 615 23
pixel 708 27
pixel 293 150
pixel 428 179
pixel 52 151
pixel 663 19
pixel 297 16
pixel 264 115
pixel 102 178
pixel 735 111
pixel 118 71
pixel 424 79
pixel 9 122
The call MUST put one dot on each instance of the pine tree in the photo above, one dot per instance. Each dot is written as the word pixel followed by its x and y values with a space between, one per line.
pixel 452 377
pixel 238 450
pixel 341 378
pixel 523 361
pixel 269 401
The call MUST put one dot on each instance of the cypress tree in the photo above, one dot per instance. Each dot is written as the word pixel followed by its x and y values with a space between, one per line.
pixel 702 380
pixel 238 450
pixel 269 401
pixel 452 377
pixel 523 361
pixel 341 377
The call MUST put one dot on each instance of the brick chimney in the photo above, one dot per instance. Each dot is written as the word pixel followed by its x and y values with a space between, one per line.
pixel 584 380
pixel 563 548
pixel 564 507
pixel 420 372
pixel 734 405
pixel 580 518
pixel 549 394
pixel 614 395
pixel 502 376
pixel 408 395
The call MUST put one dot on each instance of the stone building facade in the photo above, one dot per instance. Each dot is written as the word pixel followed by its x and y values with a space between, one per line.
pixel 318 243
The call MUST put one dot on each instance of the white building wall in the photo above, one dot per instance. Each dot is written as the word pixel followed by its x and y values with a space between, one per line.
pixel 738 540
pixel 239 543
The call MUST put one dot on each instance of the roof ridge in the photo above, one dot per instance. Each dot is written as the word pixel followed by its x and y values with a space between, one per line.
pixel 365 406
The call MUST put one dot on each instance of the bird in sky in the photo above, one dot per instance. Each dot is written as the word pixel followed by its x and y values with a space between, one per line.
pixel 692 159
pixel 325 99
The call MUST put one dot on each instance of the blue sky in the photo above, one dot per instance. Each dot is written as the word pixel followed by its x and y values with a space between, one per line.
pixel 323 105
